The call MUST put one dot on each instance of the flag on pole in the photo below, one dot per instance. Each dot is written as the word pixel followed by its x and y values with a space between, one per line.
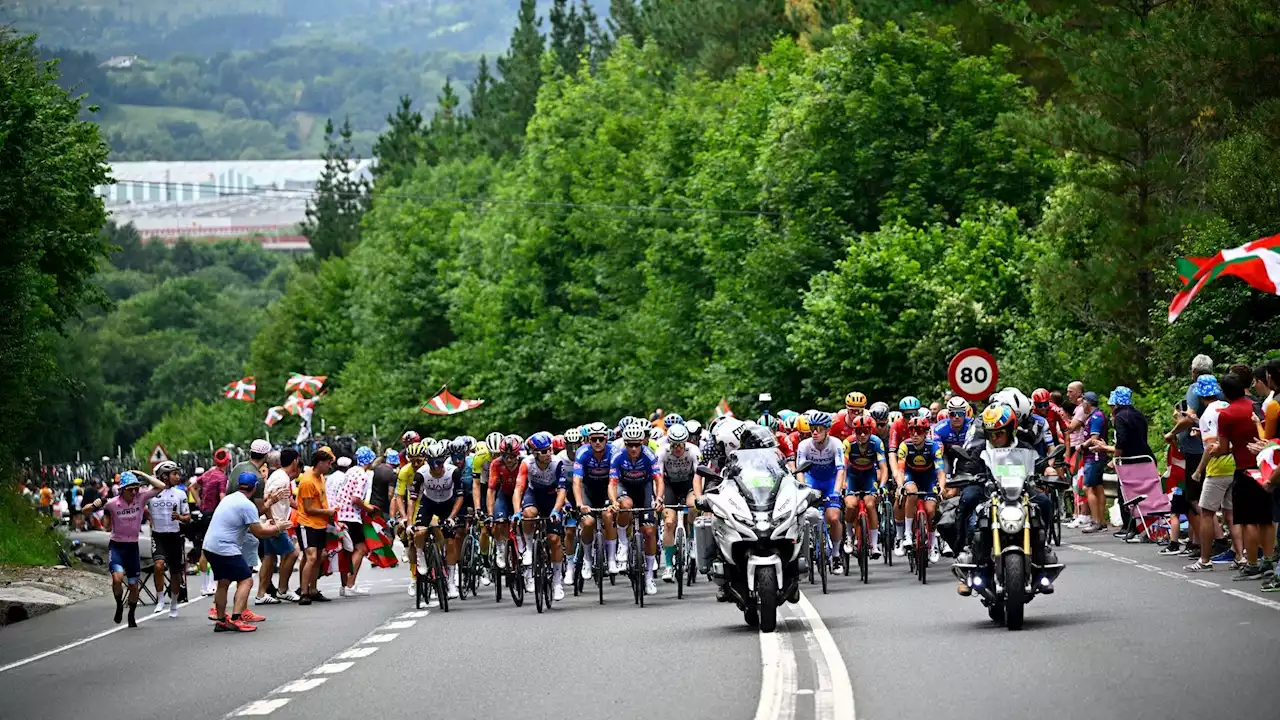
pixel 1177 469
pixel 242 389
pixel 298 402
pixel 444 403
pixel 378 540
pixel 309 384
pixel 1257 263
pixel 722 410
pixel 274 415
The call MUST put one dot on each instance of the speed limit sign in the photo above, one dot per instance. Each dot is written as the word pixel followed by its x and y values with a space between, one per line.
pixel 973 374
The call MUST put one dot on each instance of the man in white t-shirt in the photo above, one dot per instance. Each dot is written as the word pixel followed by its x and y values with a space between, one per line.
pixel 235 517
pixel 279 550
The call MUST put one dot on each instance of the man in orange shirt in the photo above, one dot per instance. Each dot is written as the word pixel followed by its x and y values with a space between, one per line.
pixel 46 499
pixel 314 516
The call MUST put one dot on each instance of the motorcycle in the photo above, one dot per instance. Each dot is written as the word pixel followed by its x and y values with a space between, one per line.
pixel 754 539
pixel 1007 577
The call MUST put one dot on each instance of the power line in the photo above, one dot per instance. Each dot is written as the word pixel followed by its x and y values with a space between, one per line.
pixel 393 195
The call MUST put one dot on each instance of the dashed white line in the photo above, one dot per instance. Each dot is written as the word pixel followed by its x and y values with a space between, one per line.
pixel 331 668
pixel 356 653
pixel 1149 568
pixel 380 638
pixel 1203 583
pixel 1125 560
pixel 263 707
pixel 414 614
pixel 1081 548
pixel 302 685
pixel 1254 599
pixel 399 625
pixel 1103 553
pixel 1174 575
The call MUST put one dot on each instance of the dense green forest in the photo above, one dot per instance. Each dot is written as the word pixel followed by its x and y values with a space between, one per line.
pixel 254 80
pixel 804 196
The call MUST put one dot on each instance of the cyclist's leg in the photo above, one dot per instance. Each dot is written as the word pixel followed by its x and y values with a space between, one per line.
pixel 870 503
pixel 501 529
pixel 623 521
pixel 528 509
pixel 908 510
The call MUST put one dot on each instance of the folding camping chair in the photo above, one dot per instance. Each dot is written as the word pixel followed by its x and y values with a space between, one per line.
pixel 1147 503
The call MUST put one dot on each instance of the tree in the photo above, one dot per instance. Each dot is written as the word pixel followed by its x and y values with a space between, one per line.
pixel 333 215
pixel 625 19
pixel 401 146
pixel 516 94
pixel 568 35
pixel 50 163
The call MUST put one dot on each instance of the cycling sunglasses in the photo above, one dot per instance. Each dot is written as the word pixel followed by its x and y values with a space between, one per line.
pixel 435 462
pixel 598 438
pixel 634 444
pixel 542 452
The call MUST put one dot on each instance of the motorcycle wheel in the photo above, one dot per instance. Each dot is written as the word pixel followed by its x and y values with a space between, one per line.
pixel 767 597
pixel 1015 592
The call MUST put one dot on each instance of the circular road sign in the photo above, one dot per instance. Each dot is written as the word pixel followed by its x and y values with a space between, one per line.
pixel 973 374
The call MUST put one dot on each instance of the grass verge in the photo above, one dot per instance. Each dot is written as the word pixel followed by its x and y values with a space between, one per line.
pixel 24 533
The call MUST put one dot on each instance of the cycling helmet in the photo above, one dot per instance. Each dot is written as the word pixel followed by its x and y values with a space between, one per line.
pixel 894 416
pixel 409 437
pixel 457 449
pixel 557 443
pixel 165 468
pixel 1040 396
pixel 656 434
pixel 673 419
pixel 494 441
pixel 510 445
pixel 78 482
pixel 918 423
pixel 541 441
pixel 597 428
pixel 819 419
pixel 634 433
pixel 957 406
pixel 880 411
pixel 428 441
pixel 438 451
pixel 855 401
pixel 944 414
pixel 802 424
pixel 678 434
pixel 626 420
pixel 1014 398
pixel 787 414
pixel 416 450
pixel 925 413
pixel 910 402
pixel 786 424
pixel 864 422
pixel 768 421
pixel 573 436
pixel 754 437
pixel 998 417
pixel 694 427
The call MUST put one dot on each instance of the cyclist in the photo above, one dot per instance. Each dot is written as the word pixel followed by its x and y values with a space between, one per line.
pixel 825 474
pixel 867 470
pixel 785 446
pixel 502 485
pixel 800 431
pixel 1057 418
pixel 682 485
pixel 591 469
pixel 404 477
pixel 540 486
pixel 168 510
pixel 636 477
pixel 855 405
pixel 909 407
pixel 438 488
pixel 919 469
pixel 125 560
pixel 956 427
pixel 695 432
pixel 880 413
pixel 657 438
pixel 480 459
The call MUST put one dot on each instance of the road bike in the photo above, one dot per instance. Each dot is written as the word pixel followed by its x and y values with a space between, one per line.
pixel 922 536
pixel 861 536
pixel 432 578
pixel 684 565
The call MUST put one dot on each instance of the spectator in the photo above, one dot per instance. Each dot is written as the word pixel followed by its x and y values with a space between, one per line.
pixel 1095 461
pixel 353 501
pixel 384 482
pixel 235 516
pixel 279 550
pixel 46 499
pixel 1216 473
pixel 1076 435
pixel 256 464
pixel 314 516
pixel 1252 504
pixel 210 487
pixel 1131 436
pixel 1270 410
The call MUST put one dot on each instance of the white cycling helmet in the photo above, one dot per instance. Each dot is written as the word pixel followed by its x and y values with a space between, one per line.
pixel 573 435
pixel 678 434
pixel 1014 398
pixel 494 441
pixel 694 426
pixel 634 433
pixel 656 434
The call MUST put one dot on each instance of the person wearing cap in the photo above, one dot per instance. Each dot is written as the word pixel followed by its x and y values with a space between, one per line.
pixel 279 550
pixel 1250 500
pixel 256 464
pixel 125 560
pixel 1095 462
pixel 1131 435
pixel 210 488
pixel 314 515
pixel 236 516
pixel 384 482
pixel 1216 473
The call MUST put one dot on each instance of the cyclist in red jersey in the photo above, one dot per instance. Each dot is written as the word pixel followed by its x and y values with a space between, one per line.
pixel 855 405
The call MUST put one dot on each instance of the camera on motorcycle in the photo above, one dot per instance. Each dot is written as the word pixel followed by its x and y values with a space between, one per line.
pixel 706 472
pixel 803 467
pixel 766 397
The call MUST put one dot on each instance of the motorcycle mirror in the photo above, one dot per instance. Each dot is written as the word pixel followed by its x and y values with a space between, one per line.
pixel 958 452
pixel 815 498
pixel 804 466
pixel 707 472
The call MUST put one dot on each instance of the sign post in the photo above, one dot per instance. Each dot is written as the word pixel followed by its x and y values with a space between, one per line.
pixel 158 455
pixel 973 374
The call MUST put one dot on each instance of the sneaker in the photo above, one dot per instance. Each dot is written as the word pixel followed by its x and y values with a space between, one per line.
pixel 526 557
pixel 160 607
pixel 250 616
pixel 1198 566
pixel 875 553
pixel 650 587
pixel 317 597
pixel 1225 557
pixel 173 611
pixel 668 575
pixel 289 596
pixel 1248 572
pixel 484 579
pixel 837 567
pixel 1191 550
pixel 213 614
pixel 266 600
pixel 898 550
pixel 453 591
pixel 1077 522
pixel 1120 534
pixel 1272 585
pixel 502 559
pixel 1235 564
pixel 342 591
pixel 307 601
pixel 586 571
pixel 557 593
pixel 935 555
pixel 1172 548
pixel 1094 528
pixel 412 592
pixel 528 584
pixel 947 552
pixel 569 571
pixel 233 626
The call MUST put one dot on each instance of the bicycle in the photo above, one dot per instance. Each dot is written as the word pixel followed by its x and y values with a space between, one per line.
pixel 820 551
pixel 888 529
pixel 861 536
pixel 515 583
pixel 471 563
pixel 684 566
pixel 541 569
pixel 433 580
pixel 1055 488
pixel 922 538
pixel 636 565
pixel 599 565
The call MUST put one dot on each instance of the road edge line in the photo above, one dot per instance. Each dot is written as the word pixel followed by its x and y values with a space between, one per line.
pixel 843 703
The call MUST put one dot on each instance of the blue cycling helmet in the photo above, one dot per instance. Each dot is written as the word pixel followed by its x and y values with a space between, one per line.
pixel 364 455
pixel 393 457
pixel 673 419
pixel 910 402
pixel 820 419
pixel 787 415
pixel 540 440
pixel 128 480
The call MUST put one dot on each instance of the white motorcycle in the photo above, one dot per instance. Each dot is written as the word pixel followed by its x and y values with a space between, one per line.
pixel 754 542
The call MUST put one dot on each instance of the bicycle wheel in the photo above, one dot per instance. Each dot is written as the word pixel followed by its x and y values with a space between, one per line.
pixel 888 532
pixel 548 574
pixel 810 552
pixel 464 568
pixel 579 556
pixel 923 536
pixel 822 541
pixel 494 569
pixel 846 557
pixel 539 580
pixel 599 563
pixel 435 572
pixel 515 578
pixel 678 561
pixel 864 545
pixel 1055 529
pixel 638 563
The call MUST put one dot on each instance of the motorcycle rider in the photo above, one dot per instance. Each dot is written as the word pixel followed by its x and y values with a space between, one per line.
pixel 999 424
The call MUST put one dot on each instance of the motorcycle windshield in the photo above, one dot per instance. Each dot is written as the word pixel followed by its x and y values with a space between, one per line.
pixel 759 477
pixel 1010 467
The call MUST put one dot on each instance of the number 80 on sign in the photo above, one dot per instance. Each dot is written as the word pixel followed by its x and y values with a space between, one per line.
pixel 973 374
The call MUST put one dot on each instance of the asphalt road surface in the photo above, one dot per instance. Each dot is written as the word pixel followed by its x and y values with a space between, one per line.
pixel 1126 636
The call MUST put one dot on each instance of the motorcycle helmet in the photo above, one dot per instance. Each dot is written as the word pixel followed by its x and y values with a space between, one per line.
pixel 998 417
pixel 754 437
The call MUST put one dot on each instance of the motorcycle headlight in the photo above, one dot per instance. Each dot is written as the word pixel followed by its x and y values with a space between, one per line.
pixel 1012 519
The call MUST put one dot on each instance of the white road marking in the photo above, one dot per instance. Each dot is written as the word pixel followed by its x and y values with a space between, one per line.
pixel 91 638
pixel 1174 575
pixel 1149 568
pixel 356 653
pixel 1081 548
pixel 399 625
pixel 302 685
pixel 263 707
pixel 778 681
pixel 1100 553
pixel 841 692
pixel 1254 599
pixel 332 668
pixel 1204 583
pixel 380 638
pixel 414 614
pixel 1125 560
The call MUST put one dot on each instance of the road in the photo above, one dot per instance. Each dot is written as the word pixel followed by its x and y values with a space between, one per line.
pixel 1125 636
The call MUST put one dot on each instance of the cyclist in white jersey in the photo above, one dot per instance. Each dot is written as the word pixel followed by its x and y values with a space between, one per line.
pixel 678 460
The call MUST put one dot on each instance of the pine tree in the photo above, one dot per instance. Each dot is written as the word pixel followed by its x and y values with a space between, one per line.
pixel 625 18
pixel 521 69
pixel 568 35
pixel 400 147
pixel 448 126
pixel 598 41
pixel 333 215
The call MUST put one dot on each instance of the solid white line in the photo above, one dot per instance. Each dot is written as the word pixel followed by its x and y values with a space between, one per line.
pixel 356 652
pixel 82 641
pixel 331 668
pixel 263 707
pixel 381 638
pixel 842 705
pixel 399 625
pixel 302 685
pixel 1254 599
pixel 778 679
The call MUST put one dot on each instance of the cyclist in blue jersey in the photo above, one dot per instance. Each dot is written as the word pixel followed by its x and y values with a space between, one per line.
pixel 867 469
pixel 591 467
pixel 635 478
pixel 919 469
pixel 956 427
pixel 826 471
